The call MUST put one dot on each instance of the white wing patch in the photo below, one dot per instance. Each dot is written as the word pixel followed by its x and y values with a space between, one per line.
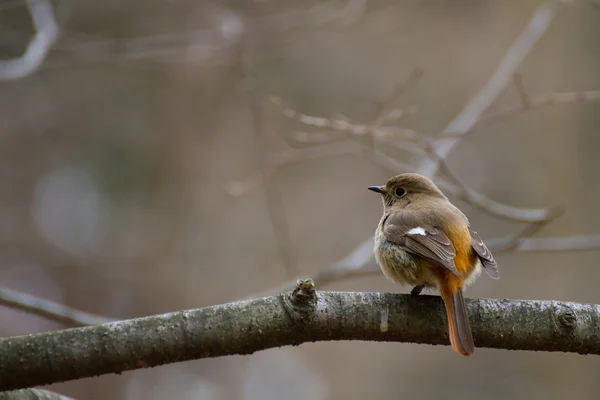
pixel 417 231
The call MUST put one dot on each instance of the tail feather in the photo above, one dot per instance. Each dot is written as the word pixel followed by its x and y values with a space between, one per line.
pixel 460 334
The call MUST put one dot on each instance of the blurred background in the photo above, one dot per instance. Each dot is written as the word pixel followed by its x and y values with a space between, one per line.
pixel 128 177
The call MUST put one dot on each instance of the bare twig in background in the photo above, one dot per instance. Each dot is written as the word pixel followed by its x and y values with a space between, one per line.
pixel 360 263
pixel 301 316
pixel 210 46
pixel 273 196
pixel 42 15
pixel 483 203
pixel 349 269
pixel 32 394
pixel 468 117
pixel 344 126
pixel 284 158
pixel 403 138
pixel 49 309
pixel 532 228
pixel 357 264
pixel 239 188
pixel 461 191
pixel 379 118
pixel 493 207
pixel 559 243
pixel 390 164
pixel 509 65
pixel 380 105
pixel 466 120
pixel 546 99
pixel 520 86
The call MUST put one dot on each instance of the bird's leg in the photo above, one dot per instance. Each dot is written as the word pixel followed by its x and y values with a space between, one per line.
pixel 417 290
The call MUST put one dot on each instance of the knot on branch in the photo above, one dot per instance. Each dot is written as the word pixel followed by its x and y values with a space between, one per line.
pixel 567 317
pixel 303 299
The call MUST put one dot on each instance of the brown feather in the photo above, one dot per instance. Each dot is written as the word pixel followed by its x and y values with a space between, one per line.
pixel 459 329
pixel 487 260
pixel 434 245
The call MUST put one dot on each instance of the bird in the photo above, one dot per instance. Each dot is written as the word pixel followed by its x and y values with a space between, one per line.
pixel 423 240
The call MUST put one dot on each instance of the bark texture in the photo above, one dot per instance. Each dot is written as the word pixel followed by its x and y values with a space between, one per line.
pixel 290 319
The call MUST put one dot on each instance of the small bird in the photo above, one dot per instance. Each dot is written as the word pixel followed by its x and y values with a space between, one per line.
pixel 423 240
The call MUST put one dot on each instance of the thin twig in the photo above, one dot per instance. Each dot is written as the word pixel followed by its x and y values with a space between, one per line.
pixel 291 156
pixel 534 102
pixel 402 138
pixel 511 243
pixel 210 44
pixel 464 122
pixel 33 394
pixel 381 104
pixel 483 203
pixel 273 196
pixel 345 126
pixel 358 265
pixel 354 265
pixel 49 309
pixel 527 232
pixel 520 86
pixel 471 113
pixel 398 90
pixel 558 243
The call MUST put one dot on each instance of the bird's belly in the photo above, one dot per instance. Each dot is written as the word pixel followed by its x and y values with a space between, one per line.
pixel 400 266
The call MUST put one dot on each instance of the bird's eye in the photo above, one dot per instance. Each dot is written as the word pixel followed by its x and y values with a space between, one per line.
pixel 400 192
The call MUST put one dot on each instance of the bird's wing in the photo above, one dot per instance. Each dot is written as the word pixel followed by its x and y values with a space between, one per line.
pixel 416 237
pixel 485 256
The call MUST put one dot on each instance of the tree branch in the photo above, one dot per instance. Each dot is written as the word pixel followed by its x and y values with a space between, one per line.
pixel 42 15
pixel 32 394
pixel 294 318
pixel 468 117
pixel 49 309
pixel 473 111
pixel 274 204
pixel 527 103
pixel 558 243
pixel 463 192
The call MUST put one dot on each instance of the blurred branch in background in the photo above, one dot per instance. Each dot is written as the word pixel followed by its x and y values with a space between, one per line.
pixel 42 15
pixel 301 316
pixel 545 99
pixel 509 65
pixel 533 216
pixel 164 225
pixel 272 194
pixel 339 125
pixel 360 260
pixel 206 46
pixel 49 309
pixel 360 263
pixel 214 45
pixel 32 394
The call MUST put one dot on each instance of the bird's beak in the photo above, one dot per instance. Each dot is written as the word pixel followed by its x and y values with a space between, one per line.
pixel 378 189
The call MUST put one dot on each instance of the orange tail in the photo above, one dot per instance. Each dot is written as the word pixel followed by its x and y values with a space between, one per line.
pixel 461 337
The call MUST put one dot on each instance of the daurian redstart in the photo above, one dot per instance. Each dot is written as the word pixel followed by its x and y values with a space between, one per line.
pixel 423 240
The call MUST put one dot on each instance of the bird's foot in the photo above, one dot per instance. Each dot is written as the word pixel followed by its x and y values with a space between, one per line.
pixel 417 290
